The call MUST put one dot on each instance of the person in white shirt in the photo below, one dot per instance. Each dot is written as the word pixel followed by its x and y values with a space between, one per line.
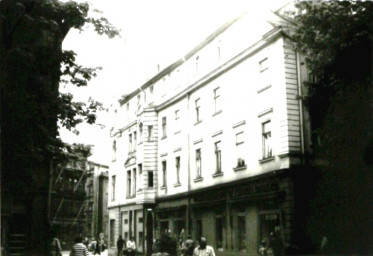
pixel 203 249
pixel 131 246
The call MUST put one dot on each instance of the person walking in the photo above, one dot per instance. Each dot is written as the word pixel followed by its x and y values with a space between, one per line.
pixel 203 249
pixel 98 247
pixel 131 246
pixel 189 244
pixel 275 244
pixel 79 249
pixel 56 246
pixel 120 244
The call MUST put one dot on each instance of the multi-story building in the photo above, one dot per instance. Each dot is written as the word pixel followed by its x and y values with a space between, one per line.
pixel 212 144
pixel 97 199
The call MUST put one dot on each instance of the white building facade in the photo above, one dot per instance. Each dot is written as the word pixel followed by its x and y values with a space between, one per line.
pixel 211 143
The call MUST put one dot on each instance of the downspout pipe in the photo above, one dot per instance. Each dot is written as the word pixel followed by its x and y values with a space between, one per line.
pixel 301 114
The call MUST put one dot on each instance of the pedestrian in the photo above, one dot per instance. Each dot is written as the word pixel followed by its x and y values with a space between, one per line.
pixel 131 246
pixel 98 247
pixel 56 244
pixel 189 244
pixel 263 248
pixel 79 249
pixel 86 242
pixel 275 244
pixel 324 245
pixel 203 249
pixel 120 244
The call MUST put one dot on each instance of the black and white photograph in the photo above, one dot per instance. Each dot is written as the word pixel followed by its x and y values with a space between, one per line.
pixel 186 128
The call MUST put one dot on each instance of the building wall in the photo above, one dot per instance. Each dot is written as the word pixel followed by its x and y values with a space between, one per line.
pixel 247 88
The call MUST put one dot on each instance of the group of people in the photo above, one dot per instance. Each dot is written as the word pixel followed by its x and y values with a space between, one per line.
pixel 166 245
pixel 81 247
pixel 126 248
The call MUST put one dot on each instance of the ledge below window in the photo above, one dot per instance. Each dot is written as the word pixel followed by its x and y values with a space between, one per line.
pixel 198 179
pixel 163 187
pixel 218 174
pixel 217 113
pixel 240 168
pixel 268 159
pixel 198 122
pixel 164 137
pixel 177 132
pixel 177 184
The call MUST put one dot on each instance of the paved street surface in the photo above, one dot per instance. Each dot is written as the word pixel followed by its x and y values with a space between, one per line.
pixel 104 253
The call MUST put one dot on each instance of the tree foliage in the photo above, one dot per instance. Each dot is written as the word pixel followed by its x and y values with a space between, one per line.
pixel 33 65
pixel 337 39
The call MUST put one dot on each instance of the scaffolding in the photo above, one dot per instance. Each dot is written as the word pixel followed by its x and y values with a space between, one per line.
pixel 69 200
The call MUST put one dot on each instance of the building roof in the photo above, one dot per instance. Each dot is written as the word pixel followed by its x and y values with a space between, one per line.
pixel 173 66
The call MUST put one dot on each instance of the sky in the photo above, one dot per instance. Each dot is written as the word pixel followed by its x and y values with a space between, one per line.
pixel 152 32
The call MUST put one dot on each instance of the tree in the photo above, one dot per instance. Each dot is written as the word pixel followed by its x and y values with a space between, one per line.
pixel 337 40
pixel 32 65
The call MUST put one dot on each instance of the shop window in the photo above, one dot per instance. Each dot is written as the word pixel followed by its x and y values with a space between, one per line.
pixel 219 232
pixel 269 222
pixel 198 229
pixel 241 233
pixel 164 227
pixel 266 138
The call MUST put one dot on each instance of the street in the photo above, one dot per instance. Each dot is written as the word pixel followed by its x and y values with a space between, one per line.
pixel 104 253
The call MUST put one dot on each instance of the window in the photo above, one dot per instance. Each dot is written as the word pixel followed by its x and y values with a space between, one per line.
pixel 129 183
pixel 151 89
pixel 198 164
pixel 263 65
pixel 241 232
pixel 177 166
pixel 177 123
pixel 240 149
pixel 130 143
pixel 113 187
pixel 219 49
pixel 114 151
pixel 150 132
pixel 140 132
pixel 177 114
pixel 219 232
pixel 266 136
pixel 198 109
pixel 164 127
pixel 217 100
pixel 128 106
pixel 164 172
pixel 139 167
pixel 138 101
pixel 134 141
pixel 150 179
pixel 218 157
pixel 134 182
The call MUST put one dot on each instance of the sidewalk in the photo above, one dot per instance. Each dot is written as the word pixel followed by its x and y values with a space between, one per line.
pixel 104 253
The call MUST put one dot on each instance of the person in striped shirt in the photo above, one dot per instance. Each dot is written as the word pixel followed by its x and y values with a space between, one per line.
pixel 79 249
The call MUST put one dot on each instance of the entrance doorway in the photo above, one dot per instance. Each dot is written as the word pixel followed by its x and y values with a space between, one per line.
pixel 149 233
